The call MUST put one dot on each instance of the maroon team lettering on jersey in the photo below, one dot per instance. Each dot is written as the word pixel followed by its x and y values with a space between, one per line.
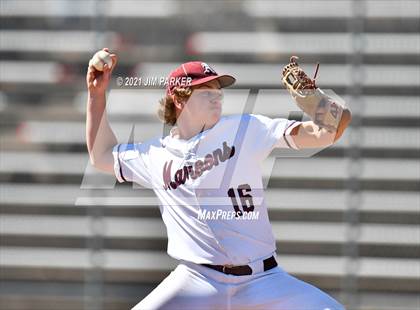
pixel 196 170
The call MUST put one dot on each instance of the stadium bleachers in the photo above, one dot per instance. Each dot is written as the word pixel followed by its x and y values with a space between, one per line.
pixel 67 243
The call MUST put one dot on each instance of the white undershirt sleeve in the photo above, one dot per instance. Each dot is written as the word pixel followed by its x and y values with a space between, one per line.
pixel 130 164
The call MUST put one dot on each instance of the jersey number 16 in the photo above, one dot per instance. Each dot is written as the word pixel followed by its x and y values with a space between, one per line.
pixel 246 199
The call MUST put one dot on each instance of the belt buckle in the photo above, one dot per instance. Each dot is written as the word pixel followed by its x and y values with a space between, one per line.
pixel 226 266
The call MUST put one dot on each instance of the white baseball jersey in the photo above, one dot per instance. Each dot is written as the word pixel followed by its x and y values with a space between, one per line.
pixel 210 187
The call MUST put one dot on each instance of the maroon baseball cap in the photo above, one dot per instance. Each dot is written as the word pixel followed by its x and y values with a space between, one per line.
pixel 195 73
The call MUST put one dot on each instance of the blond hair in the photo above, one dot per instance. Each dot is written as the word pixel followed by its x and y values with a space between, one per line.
pixel 167 110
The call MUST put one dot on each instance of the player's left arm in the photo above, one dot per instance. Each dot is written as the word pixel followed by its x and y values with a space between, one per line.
pixel 329 118
pixel 309 135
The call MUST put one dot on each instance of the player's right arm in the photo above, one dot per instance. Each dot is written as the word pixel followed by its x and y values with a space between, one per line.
pixel 100 139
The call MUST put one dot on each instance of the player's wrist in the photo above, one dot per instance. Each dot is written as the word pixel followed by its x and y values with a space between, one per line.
pixel 96 98
pixel 96 94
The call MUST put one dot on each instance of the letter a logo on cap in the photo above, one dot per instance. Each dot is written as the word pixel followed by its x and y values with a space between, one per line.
pixel 207 69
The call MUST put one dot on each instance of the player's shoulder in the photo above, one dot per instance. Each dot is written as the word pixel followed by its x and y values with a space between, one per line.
pixel 141 146
pixel 230 117
pixel 234 118
pixel 253 120
pixel 265 121
pixel 250 116
pixel 260 118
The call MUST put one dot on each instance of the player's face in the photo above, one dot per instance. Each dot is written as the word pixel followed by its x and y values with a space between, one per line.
pixel 205 103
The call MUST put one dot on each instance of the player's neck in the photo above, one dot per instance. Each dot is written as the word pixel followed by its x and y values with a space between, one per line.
pixel 186 131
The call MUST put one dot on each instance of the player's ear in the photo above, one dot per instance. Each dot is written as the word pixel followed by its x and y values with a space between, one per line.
pixel 178 102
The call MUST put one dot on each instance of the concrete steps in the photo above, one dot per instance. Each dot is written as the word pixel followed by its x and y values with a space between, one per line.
pixel 61 264
pixel 50 220
pixel 398 240
pixel 47 296
pixel 68 199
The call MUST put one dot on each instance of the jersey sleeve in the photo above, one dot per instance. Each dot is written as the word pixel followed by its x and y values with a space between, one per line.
pixel 271 133
pixel 130 163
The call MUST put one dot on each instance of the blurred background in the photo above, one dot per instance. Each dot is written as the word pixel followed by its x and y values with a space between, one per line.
pixel 346 219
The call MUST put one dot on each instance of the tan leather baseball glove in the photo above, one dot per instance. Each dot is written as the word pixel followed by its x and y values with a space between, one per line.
pixel 322 109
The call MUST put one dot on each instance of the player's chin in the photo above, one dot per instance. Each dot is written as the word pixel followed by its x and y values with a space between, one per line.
pixel 215 114
pixel 216 108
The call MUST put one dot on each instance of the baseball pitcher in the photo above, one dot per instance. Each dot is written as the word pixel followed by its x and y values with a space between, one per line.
pixel 207 175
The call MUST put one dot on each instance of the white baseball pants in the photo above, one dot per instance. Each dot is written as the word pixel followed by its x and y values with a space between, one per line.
pixel 192 286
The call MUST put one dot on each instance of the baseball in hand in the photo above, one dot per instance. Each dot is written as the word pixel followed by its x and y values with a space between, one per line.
pixel 100 59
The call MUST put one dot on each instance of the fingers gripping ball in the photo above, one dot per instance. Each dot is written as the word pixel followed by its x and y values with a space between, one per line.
pixel 100 59
pixel 322 109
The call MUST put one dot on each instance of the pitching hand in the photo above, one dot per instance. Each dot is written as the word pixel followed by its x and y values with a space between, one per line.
pixel 98 81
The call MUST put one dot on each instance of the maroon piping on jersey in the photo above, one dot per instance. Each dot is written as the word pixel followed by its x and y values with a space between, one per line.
pixel 119 163
pixel 285 137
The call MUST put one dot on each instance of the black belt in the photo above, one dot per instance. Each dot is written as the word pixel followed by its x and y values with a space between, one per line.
pixel 242 270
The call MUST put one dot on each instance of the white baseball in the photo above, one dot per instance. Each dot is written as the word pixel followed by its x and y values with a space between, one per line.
pixel 100 59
